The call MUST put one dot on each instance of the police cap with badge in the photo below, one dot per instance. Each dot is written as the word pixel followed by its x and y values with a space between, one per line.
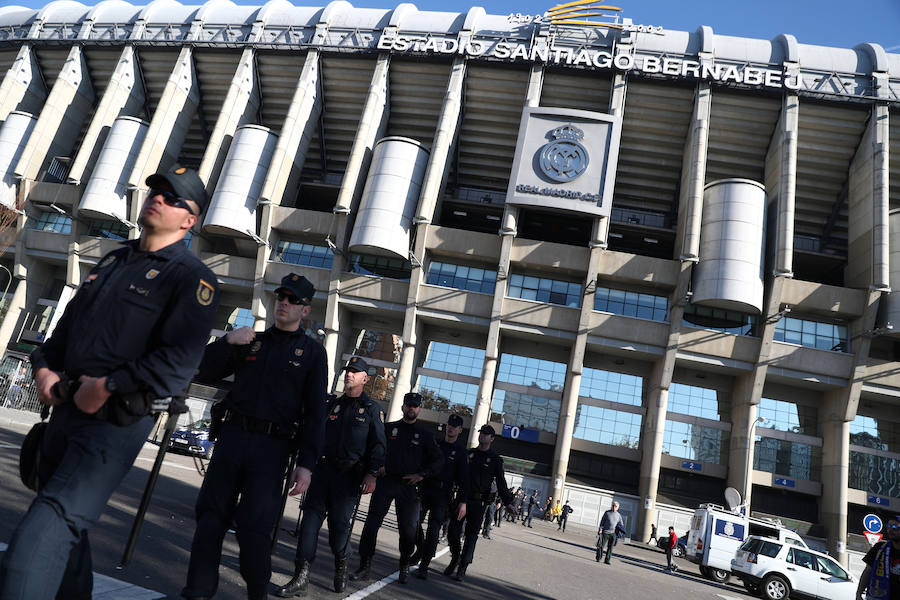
pixel 357 363
pixel 185 183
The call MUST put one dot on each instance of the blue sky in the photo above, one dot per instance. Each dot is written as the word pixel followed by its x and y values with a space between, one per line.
pixel 822 22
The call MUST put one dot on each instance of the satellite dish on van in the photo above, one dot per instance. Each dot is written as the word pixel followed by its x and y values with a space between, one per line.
pixel 732 498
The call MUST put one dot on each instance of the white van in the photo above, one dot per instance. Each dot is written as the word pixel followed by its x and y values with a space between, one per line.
pixel 716 534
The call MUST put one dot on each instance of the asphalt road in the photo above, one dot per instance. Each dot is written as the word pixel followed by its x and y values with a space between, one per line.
pixel 518 563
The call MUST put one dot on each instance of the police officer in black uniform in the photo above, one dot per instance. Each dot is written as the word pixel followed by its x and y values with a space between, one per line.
pixel 438 491
pixel 276 407
pixel 354 453
pixel 485 468
pixel 133 332
pixel 412 455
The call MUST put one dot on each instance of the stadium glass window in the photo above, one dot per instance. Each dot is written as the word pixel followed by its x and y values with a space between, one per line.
pixel 608 426
pixel 695 442
pixel 697 401
pixel 613 387
pixel 783 457
pixel 240 317
pixel 379 266
pixel 526 410
pixel 112 230
pixel 53 222
pixel 875 474
pixel 523 370
pixel 875 433
pixel 297 253
pixel 631 304
pixel 552 291
pixel 726 321
pixel 472 279
pixel 454 359
pixel 445 395
pixel 787 416
pixel 812 334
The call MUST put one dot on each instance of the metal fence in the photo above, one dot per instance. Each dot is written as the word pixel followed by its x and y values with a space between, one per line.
pixel 17 388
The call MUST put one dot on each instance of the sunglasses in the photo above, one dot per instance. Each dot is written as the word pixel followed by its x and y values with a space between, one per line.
pixel 292 299
pixel 171 199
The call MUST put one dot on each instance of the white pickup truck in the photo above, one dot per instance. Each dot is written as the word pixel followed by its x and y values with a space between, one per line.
pixel 716 534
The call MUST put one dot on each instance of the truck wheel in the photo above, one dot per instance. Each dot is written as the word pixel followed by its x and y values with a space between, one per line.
pixel 704 571
pixel 774 587
pixel 718 575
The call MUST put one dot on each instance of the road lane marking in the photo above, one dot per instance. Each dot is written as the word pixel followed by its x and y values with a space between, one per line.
pixel 374 587
pixel 724 597
pixel 167 464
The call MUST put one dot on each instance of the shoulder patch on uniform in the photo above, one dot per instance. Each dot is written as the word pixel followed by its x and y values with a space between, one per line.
pixel 205 293
pixel 106 262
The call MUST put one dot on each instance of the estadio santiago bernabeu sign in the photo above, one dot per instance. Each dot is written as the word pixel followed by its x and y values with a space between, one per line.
pixel 565 159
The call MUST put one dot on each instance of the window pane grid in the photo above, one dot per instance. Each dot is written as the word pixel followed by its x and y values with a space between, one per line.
pixel 471 279
pixel 613 387
pixel 525 410
pixel 454 359
pixel 695 442
pixel 523 370
pixel 608 426
pixel 787 416
pixel 53 222
pixel 631 304
pixel 700 402
pixel 875 474
pixel 380 266
pixel 812 334
pixel 782 457
pixel 297 253
pixel 108 229
pixel 551 291
pixel 448 396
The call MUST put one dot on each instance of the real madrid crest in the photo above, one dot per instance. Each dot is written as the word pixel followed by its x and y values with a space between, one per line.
pixel 205 293
pixel 564 159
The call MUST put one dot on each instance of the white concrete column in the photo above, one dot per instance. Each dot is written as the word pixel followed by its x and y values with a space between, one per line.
pixel 781 180
pixel 693 176
pixel 23 87
pixel 15 304
pixel 59 124
pixel 124 96
pixel 835 473
pixel 240 107
pixel 299 127
pixel 170 122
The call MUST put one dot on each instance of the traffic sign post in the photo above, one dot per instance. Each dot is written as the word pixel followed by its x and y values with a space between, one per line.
pixel 872 538
pixel 872 523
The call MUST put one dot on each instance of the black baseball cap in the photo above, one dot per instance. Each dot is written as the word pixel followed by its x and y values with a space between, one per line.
pixel 413 399
pixel 298 285
pixel 487 429
pixel 186 183
pixel 455 420
pixel 357 363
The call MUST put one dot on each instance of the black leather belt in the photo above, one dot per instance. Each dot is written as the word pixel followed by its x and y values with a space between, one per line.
pixel 261 426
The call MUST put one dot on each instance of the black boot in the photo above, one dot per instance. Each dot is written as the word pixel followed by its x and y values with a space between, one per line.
pixel 422 573
pixel 296 586
pixel 340 574
pixel 454 561
pixel 404 571
pixel 362 573
pixel 460 573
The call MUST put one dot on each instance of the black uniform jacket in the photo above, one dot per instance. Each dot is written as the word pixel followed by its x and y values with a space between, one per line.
pixel 278 377
pixel 485 467
pixel 141 318
pixel 411 449
pixel 455 470
pixel 354 434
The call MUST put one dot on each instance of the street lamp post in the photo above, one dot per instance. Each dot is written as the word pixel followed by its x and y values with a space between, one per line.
pixel 748 472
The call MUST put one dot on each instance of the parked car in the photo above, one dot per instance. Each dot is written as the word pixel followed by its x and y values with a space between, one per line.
pixel 680 549
pixel 777 570
pixel 193 439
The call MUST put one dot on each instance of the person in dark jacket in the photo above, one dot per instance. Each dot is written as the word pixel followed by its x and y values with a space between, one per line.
pixel 275 408
pixel 133 332
pixel 531 504
pixel 485 469
pixel 564 516
pixel 353 455
pixel 412 455
pixel 437 492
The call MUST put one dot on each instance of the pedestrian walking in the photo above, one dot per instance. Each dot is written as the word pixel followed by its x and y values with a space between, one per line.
pixel 275 409
pixel 607 532
pixel 555 512
pixel 353 455
pixel 548 509
pixel 133 333
pixel 882 562
pixel 490 513
pixel 564 516
pixel 437 493
pixel 670 548
pixel 412 455
pixel 485 469
pixel 653 538
pixel 499 512
pixel 532 505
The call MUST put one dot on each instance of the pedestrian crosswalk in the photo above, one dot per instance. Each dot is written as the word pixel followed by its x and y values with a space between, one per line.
pixel 108 588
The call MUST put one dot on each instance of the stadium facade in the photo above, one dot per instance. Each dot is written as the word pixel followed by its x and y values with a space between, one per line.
pixel 661 261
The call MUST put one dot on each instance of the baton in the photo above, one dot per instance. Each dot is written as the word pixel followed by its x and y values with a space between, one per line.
pixel 284 495
pixel 171 424
pixel 352 522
